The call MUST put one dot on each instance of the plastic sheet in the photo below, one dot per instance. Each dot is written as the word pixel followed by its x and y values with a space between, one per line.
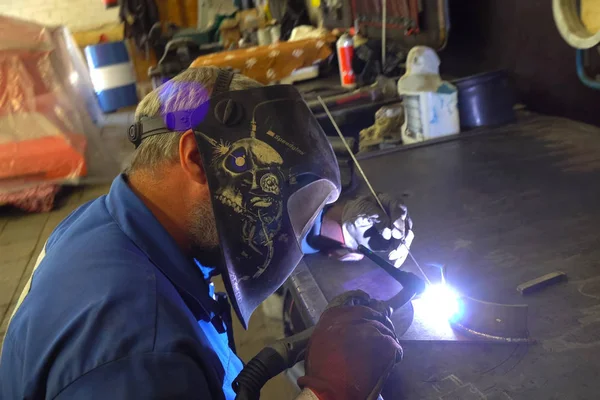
pixel 49 129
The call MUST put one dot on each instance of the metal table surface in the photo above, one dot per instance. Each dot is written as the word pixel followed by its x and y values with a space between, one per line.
pixel 498 207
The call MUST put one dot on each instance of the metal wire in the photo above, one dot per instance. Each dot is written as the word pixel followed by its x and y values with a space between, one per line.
pixel 417 264
pixel 362 173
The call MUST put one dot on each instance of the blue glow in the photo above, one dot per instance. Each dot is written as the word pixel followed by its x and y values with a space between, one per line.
pixel 193 94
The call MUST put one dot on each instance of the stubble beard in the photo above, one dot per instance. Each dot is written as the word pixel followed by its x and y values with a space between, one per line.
pixel 202 229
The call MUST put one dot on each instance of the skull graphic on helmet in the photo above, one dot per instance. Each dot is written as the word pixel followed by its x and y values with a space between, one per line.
pixel 250 177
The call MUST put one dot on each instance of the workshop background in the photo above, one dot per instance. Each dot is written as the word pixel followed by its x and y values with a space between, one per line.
pixel 78 15
pixel 521 36
pixel 531 69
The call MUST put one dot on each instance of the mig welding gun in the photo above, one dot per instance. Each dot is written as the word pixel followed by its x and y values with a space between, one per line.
pixel 285 353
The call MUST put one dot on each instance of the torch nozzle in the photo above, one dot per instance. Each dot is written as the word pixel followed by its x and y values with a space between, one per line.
pixel 408 280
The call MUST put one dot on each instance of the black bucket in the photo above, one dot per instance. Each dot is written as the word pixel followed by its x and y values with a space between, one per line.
pixel 485 99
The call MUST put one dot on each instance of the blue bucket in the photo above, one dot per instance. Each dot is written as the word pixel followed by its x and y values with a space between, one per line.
pixel 112 75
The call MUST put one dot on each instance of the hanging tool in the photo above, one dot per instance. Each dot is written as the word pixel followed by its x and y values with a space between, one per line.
pixel 383 33
pixel 362 174
pixel 381 90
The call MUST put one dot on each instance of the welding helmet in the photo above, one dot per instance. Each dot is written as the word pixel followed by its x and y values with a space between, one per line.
pixel 270 171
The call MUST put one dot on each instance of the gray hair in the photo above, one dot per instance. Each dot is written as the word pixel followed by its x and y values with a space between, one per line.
pixel 186 91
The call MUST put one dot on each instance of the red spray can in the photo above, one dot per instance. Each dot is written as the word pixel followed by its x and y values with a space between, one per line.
pixel 345 52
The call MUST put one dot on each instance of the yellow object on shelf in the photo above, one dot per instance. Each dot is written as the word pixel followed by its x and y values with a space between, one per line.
pixel 270 63
pixel 183 13
pixel 112 32
pixel 590 15
pixel 267 12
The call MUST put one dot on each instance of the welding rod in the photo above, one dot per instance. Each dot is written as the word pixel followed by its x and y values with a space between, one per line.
pixel 416 263
pixel 362 173
pixel 337 128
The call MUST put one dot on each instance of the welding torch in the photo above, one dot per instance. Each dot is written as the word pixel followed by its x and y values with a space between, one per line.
pixel 285 353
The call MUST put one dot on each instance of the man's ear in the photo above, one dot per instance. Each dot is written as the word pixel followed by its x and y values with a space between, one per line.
pixel 189 158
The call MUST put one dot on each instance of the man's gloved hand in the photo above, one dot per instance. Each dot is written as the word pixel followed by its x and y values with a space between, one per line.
pixel 363 222
pixel 352 349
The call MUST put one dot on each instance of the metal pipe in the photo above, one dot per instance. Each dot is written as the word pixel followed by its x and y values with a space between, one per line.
pixel 383 32
pixel 583 76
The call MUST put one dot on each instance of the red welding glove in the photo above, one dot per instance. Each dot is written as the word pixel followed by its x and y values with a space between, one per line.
pixel 352 350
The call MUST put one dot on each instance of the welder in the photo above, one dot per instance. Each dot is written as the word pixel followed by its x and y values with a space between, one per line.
pixel 228 177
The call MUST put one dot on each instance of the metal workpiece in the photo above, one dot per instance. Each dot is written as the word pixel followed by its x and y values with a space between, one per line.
pixel 307 295
pixel 492 321
pixel 333 277
pixel 541 282
pixel 487 321
pixel 498 206
pixel 477 322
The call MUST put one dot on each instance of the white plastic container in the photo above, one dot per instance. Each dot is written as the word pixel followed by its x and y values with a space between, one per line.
pixel 430 104
pixel 264 36
pixel 430 115
pixel 275 32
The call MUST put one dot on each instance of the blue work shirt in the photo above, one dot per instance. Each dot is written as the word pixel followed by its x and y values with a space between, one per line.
pixel 116 311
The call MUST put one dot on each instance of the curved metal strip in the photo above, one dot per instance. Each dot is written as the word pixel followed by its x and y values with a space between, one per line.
pixel 492 321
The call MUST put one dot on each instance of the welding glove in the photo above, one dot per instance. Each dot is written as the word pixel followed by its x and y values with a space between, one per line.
pixel 352 349
pixel 362 221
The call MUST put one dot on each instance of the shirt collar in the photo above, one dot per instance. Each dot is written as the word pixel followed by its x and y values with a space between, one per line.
pixel 142 227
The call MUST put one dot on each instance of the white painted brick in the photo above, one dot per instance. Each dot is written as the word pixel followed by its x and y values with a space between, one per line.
pixel 11 13
pixel 31 9
pixel 44 13
pixel 76 14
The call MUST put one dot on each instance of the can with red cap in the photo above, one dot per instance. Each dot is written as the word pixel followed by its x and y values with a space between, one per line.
pixel 110 3
pixel 345 52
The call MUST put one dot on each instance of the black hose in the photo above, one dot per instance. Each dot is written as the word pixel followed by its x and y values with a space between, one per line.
pixel 267 364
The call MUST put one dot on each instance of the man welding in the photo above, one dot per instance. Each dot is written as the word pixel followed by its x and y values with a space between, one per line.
pixel 227 177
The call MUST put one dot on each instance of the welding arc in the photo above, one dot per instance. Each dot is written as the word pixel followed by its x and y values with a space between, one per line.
pixel 362 173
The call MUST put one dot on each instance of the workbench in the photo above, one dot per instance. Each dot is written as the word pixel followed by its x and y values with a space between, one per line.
pixel 498 207
pixel 352 117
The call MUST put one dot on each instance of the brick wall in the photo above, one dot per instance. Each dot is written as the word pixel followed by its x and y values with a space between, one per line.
pixel 76 14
